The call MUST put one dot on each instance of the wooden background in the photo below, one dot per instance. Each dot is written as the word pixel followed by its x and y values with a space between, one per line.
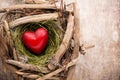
pixel 100 25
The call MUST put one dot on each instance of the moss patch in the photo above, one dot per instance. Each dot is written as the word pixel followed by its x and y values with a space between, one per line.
pixel 54 41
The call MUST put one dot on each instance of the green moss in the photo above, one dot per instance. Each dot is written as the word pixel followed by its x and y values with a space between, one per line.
pixel 53 44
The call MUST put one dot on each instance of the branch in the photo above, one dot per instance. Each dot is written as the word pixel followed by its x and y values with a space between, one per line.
pixel 10 40
pixel 87 46
pixel 33 18
pixel 76 32
pixel 36 1
pixel 65 43
pixel 73 62
pixel 33 76
pixel 27 75
pixel 76 40
pixel 26 6
pixel 47 76
pixel 28 66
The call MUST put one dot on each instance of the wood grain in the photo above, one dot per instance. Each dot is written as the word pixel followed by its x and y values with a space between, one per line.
pixel 100 25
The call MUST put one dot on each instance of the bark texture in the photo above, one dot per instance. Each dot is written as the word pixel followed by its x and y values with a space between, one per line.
pixel 7 72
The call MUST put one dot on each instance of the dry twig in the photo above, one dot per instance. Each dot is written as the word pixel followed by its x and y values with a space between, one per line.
pixel 73 62
pixel 87 46
pixel 27 75
pixel 65 43
pixel 36 1
pixel 28 66
pixel 34 76
pixel 7 29
pixel 27 6
pixel 76 40
pixel 33 18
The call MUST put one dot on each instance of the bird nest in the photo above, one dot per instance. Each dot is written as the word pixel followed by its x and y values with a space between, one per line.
pixel 63 45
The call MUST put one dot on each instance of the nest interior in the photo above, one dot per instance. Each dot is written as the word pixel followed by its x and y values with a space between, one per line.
pixel 55 37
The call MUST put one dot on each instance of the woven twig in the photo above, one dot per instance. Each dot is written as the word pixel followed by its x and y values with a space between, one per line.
pixel 7 29
pixel 73 62
pixel 27 6
pixel 36 1
pixel 34 76
pixel 65 43
pixel 30 67
pixel 33 18
pixel 27 75
pixel 76 40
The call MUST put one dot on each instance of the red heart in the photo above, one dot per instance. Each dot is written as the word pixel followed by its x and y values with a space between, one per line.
pixel 35 41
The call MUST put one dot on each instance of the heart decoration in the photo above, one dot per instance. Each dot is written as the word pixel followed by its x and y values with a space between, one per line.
pixel 35 41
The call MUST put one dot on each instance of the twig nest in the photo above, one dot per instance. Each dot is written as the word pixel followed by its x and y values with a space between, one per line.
pixel 57 53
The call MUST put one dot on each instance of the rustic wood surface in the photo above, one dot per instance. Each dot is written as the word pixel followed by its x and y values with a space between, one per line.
pixel 99 25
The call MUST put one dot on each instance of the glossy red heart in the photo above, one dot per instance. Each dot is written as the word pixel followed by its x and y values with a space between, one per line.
pixel 35 41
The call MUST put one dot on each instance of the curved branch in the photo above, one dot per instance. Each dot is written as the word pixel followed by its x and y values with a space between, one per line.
pixel 26 6
pixel 76 40
pixel 70 64
pixel 65 43
pixel 30 67
pixel 36 1
pixel 33 18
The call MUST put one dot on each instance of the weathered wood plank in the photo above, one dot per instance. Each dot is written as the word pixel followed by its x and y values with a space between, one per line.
pixel 100 25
